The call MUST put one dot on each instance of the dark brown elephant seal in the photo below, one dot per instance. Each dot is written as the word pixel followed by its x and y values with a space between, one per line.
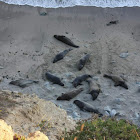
pixel 70 95
pixel 94 89
pixel 23 82
pixel 54 79
pixel 86 107
pixel 78 80
pixel 65 40
pixel 83 61
pixel 61 55
pixel 117 80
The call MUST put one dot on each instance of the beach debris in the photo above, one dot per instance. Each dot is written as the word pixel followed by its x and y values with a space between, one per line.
pixel 23 82
pixel 111 112
pixel 124 55
pixel 112 22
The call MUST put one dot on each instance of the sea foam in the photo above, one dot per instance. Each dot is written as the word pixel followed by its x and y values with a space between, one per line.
pixel 71 3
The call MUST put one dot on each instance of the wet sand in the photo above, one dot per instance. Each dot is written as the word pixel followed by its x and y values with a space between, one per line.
pixel 27 49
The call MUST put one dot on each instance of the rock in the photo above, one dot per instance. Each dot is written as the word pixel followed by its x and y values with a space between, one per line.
pixel 95 78
pixel 1 67
pixel 110 112
pixel 113 113
pixel 75 115
pixel 124 55
pixel 107 108
pixel 6 132
pixel 43 14
pixel 69 110
pixel 118 101
pixel 137 115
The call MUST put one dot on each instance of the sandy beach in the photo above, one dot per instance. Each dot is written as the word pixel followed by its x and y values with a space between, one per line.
pixel 27 49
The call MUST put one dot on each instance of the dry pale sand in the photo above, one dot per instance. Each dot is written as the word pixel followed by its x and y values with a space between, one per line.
pixel 27 48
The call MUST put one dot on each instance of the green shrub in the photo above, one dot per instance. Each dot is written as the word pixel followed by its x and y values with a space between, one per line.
pixel 104 129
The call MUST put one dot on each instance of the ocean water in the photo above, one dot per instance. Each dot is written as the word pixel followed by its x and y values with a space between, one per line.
pixel 71 3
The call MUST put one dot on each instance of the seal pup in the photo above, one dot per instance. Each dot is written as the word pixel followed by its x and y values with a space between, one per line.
pixel 83 61
pixel 86 107
pixel 54 79
pixel 78 80
pixel 70 95
pixel 117 80
pixel 65 40
pixel 23 82
pixel 94 89
pixel 61 55
pixel 112 22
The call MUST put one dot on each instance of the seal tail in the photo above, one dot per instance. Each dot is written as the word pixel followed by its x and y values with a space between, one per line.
pixel 107 76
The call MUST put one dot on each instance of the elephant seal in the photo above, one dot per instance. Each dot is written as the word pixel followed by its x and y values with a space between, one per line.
pixel 54 79
pixel 94 89
pixel 112 22
pixel 70 95
pixel 83 61
pixel 23 82
pixel 78 80
pixel 117 80
pixel 65 40
pixel 61 55
pixel 86 107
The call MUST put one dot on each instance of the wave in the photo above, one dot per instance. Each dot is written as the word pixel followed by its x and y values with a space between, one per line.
pixel 71 3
